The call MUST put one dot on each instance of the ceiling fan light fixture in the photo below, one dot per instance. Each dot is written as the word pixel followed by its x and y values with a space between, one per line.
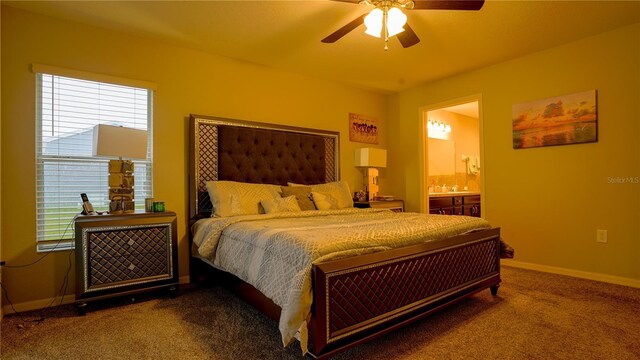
pixel 373 22
pixel 396 20
pixel 388 19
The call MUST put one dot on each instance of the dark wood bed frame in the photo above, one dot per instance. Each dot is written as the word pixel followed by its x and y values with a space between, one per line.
pixel 358 298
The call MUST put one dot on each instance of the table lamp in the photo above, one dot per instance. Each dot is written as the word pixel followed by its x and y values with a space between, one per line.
pixel 121 142
pixel 371 159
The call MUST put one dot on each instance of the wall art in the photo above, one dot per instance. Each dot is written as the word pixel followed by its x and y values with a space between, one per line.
pixel 560 120
pixel 363 128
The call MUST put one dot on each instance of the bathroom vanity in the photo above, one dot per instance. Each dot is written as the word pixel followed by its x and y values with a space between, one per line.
pixel 455 203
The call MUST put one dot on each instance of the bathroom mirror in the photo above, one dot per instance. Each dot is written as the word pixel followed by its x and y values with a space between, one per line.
pixel 442 154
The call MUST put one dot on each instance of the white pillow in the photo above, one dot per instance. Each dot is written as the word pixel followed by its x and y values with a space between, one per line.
pixel 324 201
pixel 337 189
pixel 231 198
pixel 280 204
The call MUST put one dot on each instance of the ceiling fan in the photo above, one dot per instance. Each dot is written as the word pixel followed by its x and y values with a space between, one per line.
pixel 389 13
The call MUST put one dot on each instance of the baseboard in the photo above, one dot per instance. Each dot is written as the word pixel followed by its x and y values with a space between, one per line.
pixel 35 305
pixel 39 304
pixel 635 283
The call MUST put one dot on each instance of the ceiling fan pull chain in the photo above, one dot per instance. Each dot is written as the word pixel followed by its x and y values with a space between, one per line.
pixel 384 28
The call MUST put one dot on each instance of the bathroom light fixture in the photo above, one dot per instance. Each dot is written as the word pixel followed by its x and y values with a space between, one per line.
pixel 437 129
pixel 387 17
pixel 436 125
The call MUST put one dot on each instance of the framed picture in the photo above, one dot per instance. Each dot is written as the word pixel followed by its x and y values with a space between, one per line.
pixel 363 128
pixel 561 120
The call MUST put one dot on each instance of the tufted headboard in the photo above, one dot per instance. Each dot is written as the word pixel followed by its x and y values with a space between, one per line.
pixel 226 149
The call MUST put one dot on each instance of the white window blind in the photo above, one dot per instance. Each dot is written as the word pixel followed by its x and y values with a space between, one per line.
pixel 67 109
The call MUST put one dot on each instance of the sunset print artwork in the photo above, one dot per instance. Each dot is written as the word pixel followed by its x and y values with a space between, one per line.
pixel 567 119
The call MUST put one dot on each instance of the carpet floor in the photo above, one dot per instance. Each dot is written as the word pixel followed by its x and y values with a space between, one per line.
pixel 535 316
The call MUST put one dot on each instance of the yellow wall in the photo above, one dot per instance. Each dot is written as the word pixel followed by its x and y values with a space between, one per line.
pixel 548 201
pixel 188 82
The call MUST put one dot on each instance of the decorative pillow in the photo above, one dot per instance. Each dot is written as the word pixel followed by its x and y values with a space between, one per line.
pixel 282 204
pixel 231 198
pixel 337 189
pixel 302 194
pixel 324 201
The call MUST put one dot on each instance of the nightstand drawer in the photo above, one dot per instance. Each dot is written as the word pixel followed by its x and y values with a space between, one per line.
pixel 134 240
pixel 121 271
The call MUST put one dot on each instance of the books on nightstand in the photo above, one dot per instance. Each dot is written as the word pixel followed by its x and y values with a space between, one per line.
pixel 384 198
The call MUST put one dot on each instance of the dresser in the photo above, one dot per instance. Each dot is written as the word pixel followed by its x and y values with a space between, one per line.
pixel 120 255
pixel 455 204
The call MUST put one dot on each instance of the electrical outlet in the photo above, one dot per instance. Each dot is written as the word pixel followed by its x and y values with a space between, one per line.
pixel 601 236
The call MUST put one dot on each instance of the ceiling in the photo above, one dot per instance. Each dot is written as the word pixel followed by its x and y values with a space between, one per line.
pixel 468 109
pixel 286 34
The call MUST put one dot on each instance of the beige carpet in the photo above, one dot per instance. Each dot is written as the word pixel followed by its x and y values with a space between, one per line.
pixel 534 316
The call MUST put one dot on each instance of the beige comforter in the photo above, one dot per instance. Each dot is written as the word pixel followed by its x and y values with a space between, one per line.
pixel 275 252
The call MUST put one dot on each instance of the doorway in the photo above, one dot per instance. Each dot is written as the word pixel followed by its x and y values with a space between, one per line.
pixel 452 161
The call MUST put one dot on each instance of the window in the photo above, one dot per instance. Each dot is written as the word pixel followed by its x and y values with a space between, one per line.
pixel 67 110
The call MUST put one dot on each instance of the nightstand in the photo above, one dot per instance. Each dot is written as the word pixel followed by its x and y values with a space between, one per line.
pixel 120 255
pixel 393 205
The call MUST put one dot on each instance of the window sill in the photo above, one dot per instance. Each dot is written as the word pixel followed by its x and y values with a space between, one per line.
pixel 62 245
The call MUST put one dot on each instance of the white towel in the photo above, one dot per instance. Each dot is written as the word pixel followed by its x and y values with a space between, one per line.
pixel 473 165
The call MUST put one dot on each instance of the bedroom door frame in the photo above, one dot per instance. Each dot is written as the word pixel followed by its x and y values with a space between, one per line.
pixel 424 148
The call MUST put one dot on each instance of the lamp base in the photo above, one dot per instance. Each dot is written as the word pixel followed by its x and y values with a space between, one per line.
pixel 371 181
pixel 120 166
pixel 121 182
pixel 119 206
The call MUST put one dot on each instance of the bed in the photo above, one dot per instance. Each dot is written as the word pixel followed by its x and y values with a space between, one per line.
pixel 354 297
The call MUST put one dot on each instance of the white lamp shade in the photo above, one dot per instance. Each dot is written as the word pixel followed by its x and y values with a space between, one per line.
pixel 118 141
pixel 371 157
pixel 395 21
pixel 373 22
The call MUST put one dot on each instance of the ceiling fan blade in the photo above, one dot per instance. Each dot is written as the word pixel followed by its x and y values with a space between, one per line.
pixel 408 37
pixel 448 4
pixel 336 35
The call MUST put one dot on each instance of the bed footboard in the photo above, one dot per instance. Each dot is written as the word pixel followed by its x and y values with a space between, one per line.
pixel 359 298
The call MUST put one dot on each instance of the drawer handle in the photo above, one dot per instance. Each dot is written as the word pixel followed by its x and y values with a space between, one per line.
pixel 131 267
